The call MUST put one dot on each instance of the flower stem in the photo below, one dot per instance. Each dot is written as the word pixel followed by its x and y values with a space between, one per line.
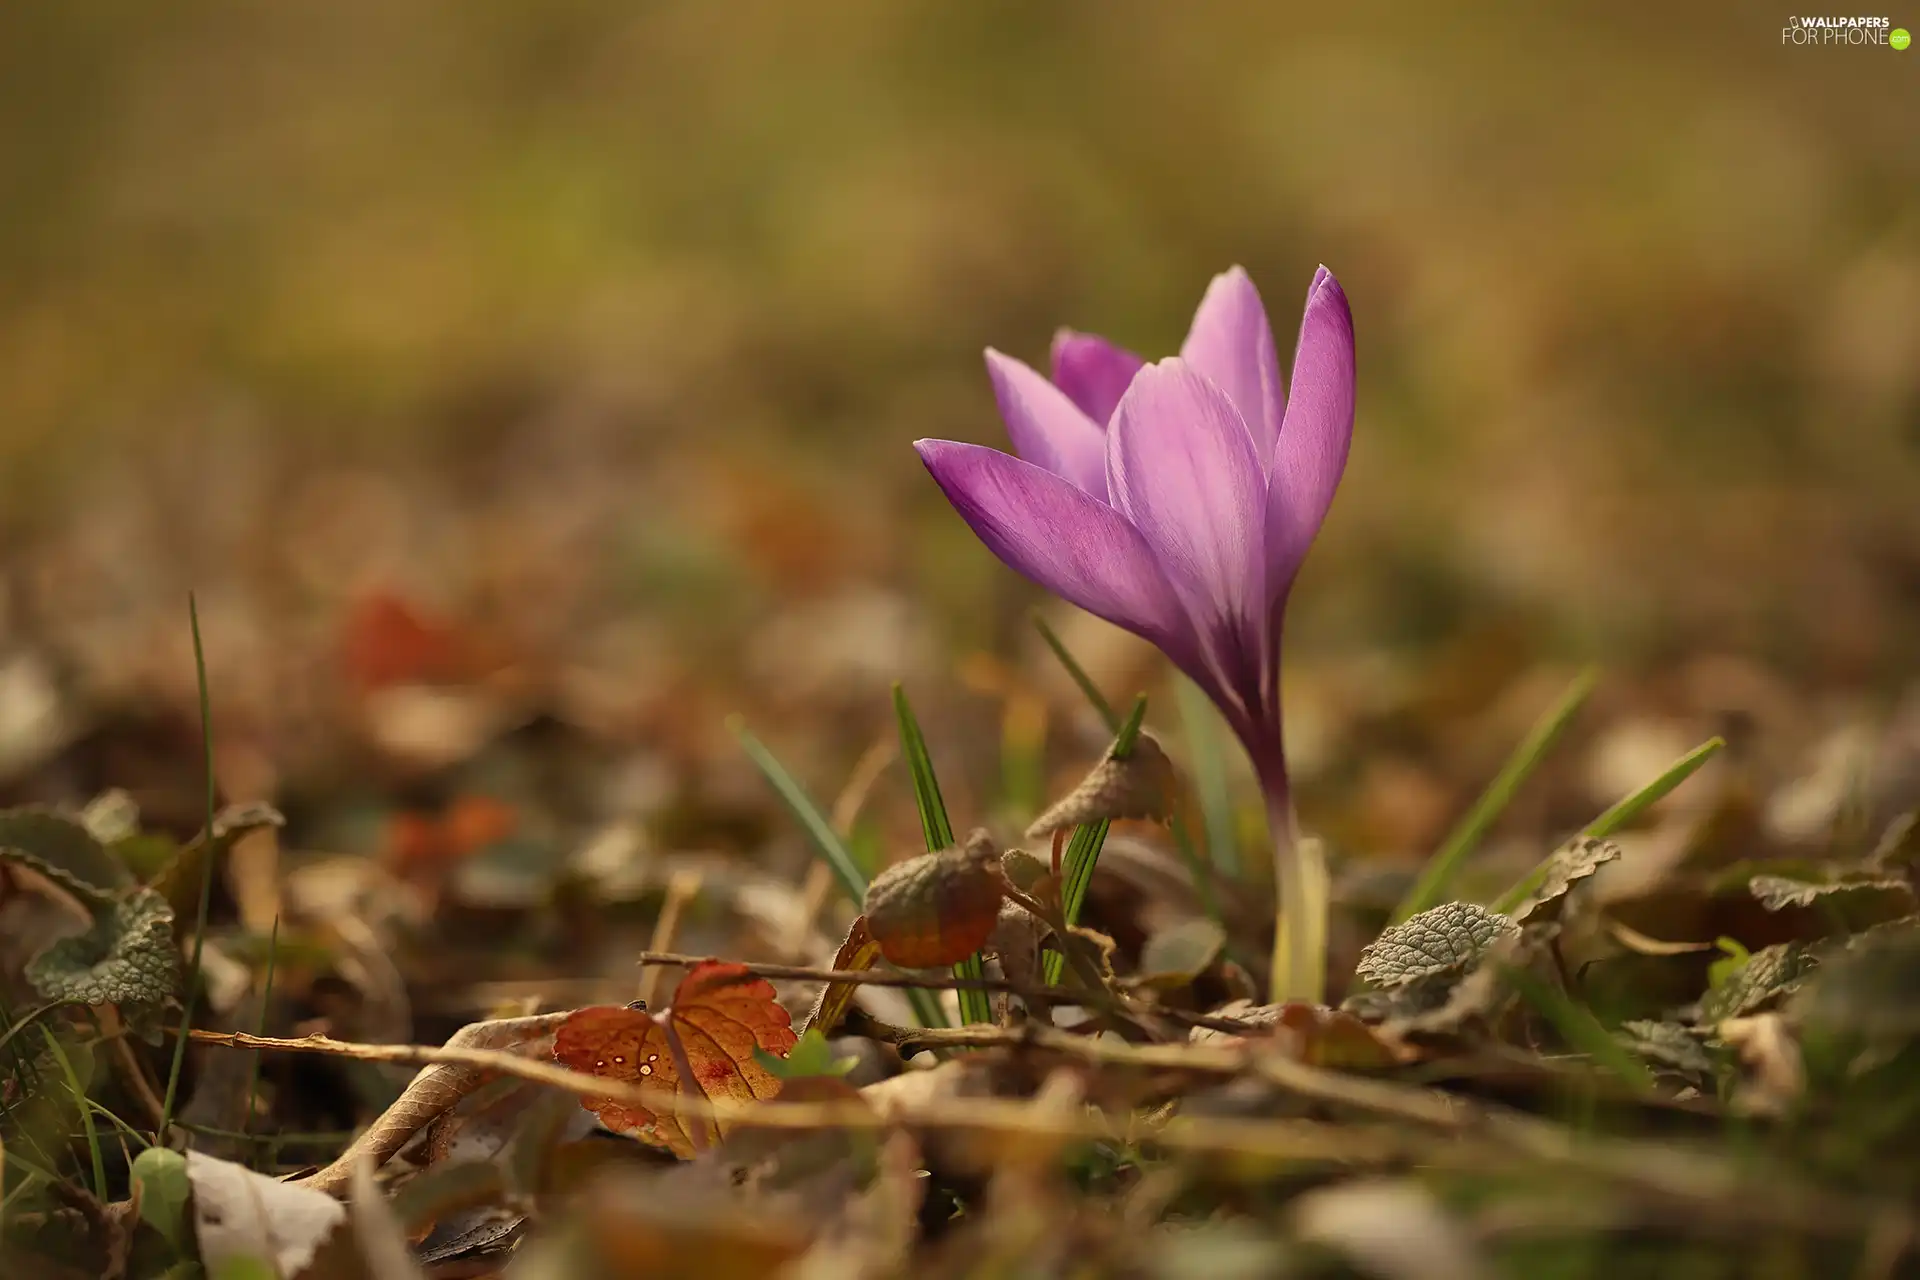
pixel 1301 886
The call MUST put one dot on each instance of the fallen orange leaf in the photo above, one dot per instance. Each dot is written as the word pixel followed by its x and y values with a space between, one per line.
pixel 701 1046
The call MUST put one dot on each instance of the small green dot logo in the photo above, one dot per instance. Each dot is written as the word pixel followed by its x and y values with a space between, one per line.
pixel 1899 38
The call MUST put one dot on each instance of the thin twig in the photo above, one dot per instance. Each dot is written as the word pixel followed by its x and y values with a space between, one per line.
pixel 930 982
pixel 1474 1133
pixel 682 887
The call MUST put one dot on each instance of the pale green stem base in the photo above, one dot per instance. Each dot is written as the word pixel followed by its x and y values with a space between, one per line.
pixel 1301 887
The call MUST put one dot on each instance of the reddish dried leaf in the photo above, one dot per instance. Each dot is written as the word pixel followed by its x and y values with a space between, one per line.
pixel 424 842
pixel 718 1017
pixel 473 822
pixel 936 909
pixel 388 642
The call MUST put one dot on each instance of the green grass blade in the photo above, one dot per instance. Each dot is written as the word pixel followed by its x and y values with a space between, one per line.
pixel 126 1129
pixel 1023 761
pixel 826 841
pixel 81 1101
pixel 1623 814
pixel 206 879
pixel 1079 673
pixel 1209 776
pixel 926 787
pixel 1090 843
pixel 260 1023
pixel 1619 816
pixel 828 844
pixel 1083 847
pixel 975 1006
pixel 1579 1028
pixel 1431 888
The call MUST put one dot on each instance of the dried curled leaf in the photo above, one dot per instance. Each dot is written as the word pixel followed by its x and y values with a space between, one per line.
pixel 1143 784
pixel 1447 938
pixel 1571 863
pixel 1769 975
pixel 855 955
pixel 719 1016
pixel 1022 870
pixel 127 957
pixel 179 881
pixel 1307 1033
pixel 1899 847
pixel 1859 900
pixel 939 908
pixel 63 850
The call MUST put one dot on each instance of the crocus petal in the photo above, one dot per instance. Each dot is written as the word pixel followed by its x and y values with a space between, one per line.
pixel 1232 344
pixel 1093 372
pixel 1048 429
pixel 1075 546
pixel 1181 467
pixel 1311 452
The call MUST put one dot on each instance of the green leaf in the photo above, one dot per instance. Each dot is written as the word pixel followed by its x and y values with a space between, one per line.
pixel 165 1195
pixel 1209 769
pixel 1445 939
pixel 1618 817
pixel 1672 1045
pixel 63 850
pixel 1769 975
pixel 1435 877
pixel 1734 958
pixel 975 1006
pixel 127 957
pixel 1176 956
pixel 811 1055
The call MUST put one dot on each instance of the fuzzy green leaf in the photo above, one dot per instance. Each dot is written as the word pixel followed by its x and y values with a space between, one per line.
pixel 1672 1046
pixel 1769 975
pixel 1447 937
pixel 63 850
pixel 126 958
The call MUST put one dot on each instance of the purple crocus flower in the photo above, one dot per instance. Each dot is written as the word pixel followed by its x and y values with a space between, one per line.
pixel 1178 500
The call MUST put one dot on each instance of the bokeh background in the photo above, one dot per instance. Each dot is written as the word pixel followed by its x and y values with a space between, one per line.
pixel 563 359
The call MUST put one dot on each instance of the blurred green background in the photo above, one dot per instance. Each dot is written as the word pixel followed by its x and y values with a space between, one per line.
pixel 605 327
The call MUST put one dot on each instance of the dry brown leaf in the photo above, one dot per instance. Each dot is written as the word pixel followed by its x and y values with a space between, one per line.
pixel 1144 785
